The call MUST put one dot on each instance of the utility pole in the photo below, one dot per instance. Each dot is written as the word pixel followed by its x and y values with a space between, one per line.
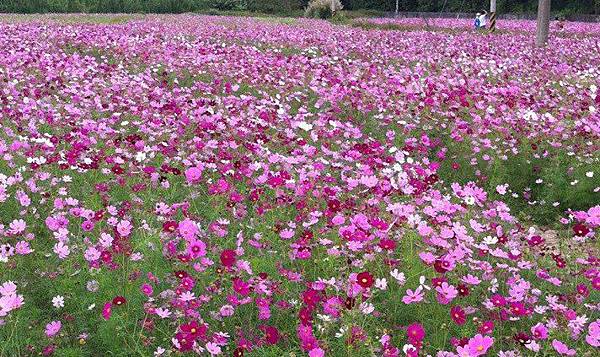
pixel 543 23
pixel 492 15
pixel 397 6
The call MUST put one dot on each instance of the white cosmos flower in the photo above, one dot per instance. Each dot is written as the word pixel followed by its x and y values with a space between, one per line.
pixel 366 308
pixel 489 240
pixel 58 301
pixel 305 126
pixel 381 283
pixel 399 276
pixel 422 283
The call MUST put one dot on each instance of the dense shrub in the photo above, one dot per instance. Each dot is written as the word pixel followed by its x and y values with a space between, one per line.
pixel 322 9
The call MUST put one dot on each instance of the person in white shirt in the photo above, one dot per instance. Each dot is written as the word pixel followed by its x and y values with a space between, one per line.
pixel 483 20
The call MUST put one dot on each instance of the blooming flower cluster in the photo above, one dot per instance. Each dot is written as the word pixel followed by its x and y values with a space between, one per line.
pixel 233 186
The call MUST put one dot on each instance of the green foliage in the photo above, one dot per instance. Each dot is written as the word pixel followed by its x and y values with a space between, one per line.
pixel 561 7
pixel 544 187
pixel 230 4
pixel 340 17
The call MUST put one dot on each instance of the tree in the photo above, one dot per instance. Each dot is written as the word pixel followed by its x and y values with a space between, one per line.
pixel 543 23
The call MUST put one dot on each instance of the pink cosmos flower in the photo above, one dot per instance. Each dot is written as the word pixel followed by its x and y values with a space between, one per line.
pixel 539 331
pixel 124 228
pixel 593 217
pixel 107 311
pixel 146 289
pixel 415 333
pixel 9 299
pixel 213 348
pixel 446 293
pixel 593 336
pixel 286 233
pixel 193 174
pixel 8 288
pixel 87 226
pixel 196 249
pixel 188 229
pixel 17 226
pixel 478 345
pixel 226 310
pixel 52 328
pixel 562 349
pixel 316 352
pixel 413 296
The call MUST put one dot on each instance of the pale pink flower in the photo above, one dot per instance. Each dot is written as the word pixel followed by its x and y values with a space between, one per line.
pixel 52 328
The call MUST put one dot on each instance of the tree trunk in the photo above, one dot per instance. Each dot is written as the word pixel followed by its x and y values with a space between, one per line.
pixel 543 23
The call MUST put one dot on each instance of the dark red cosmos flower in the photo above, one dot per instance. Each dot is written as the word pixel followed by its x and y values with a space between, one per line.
pixel 181 274
pixel 560 262
pixel 238 352
pixel 117 170
pixel 106 256
pixel 431 179
pixel 438 281
pixel 184 258
pixel 458 315
pixel 307 235
pixel 459 342
pixel 498 300
pixel 311 297
pixel 387 244
pixel 365 279
pixel 583 290
pixel 305 315
pixel 334 205
pixel 522 338
pixel 194 330
pixel 228 257
pixel 441 266
pixel 119 300
pixel 185 341
pixel 581 229
pixel 271 334
pixel 170 226
pixel 535 240
pixel 48 350
pixel 463 290
pixel 517 308
pixel 98 215
pixel 486 328
pixel 349 303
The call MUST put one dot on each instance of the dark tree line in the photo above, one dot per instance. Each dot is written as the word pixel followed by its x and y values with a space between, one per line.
pixel 287 6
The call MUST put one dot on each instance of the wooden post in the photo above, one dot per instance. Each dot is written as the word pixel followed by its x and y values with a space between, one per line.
pixel 492 15
pixel 543 23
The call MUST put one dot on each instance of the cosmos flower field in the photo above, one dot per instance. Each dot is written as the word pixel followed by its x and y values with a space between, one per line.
pixel 181 185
